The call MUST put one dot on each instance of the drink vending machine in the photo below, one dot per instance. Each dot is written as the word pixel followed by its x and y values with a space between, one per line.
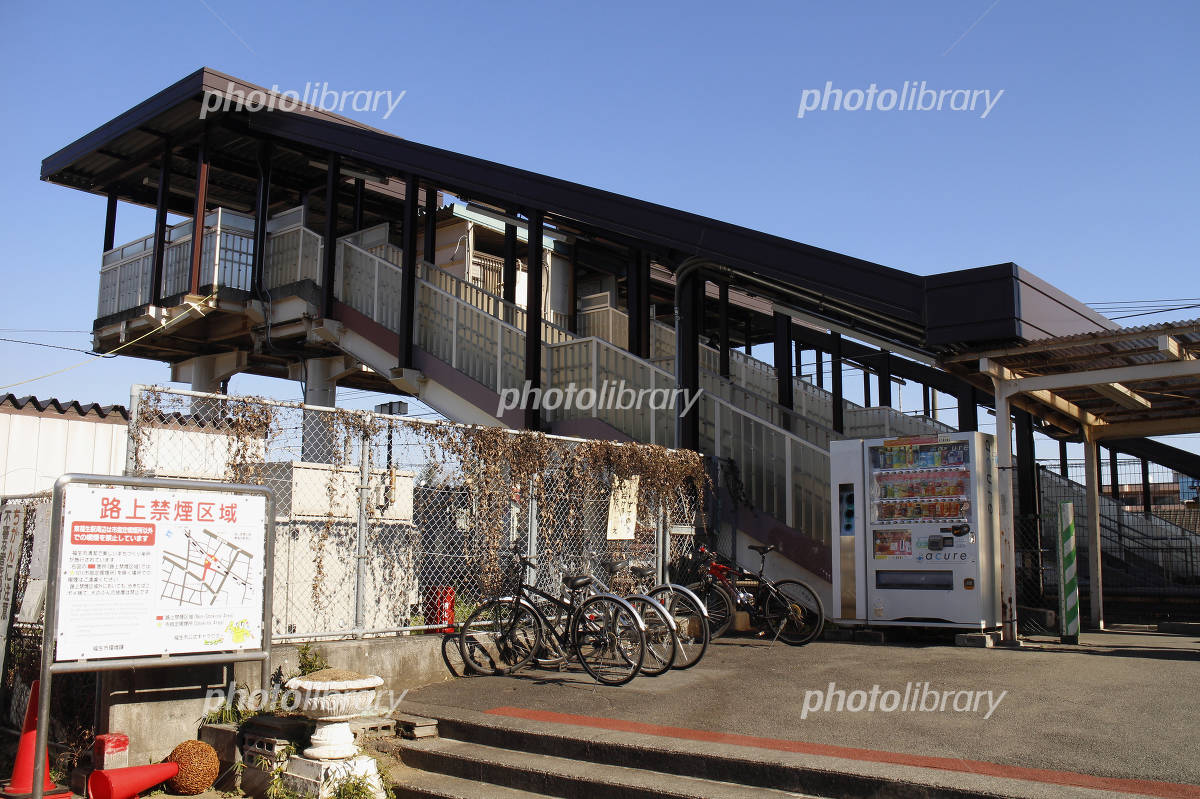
pixel 915 538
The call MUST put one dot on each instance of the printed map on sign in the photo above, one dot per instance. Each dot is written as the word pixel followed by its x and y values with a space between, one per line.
pixel 211 569
pixel 150 571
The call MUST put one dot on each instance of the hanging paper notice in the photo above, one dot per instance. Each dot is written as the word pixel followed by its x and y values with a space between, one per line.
pixel 622 509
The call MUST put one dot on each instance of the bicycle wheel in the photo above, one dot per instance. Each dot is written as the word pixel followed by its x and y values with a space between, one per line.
pixel 661 643
pixel 793 612
pixel 500 637
pixel 691 628
pixel 608 637
pixel 719 604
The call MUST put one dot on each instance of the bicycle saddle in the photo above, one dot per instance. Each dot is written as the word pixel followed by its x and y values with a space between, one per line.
pixel 762 550
pixel 614 566
pixel 642 571
pixel 576 582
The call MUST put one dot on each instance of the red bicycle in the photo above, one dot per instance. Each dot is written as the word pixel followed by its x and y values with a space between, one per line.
pixel 790 609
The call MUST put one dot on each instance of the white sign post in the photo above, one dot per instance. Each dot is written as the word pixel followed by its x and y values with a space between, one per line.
pixel 152 572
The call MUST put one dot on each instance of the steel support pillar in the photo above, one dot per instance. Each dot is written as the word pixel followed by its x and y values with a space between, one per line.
pixel 783 361
pixel 968 411
pixel 687 355
pixel 1027 496
pixel 723 325
pixel 819 366
pixel 1114 476
pixel 430 249
pixel 110 222
pixel 333 179
pixel 160 224
pixel 533 316
pixel 885 379
pixel 508 275
pixel 638 305
pixel 408 276
pixel 835 361
pixel 1095 578
pixel 360 186
pixel 262 206
pixel 1147 500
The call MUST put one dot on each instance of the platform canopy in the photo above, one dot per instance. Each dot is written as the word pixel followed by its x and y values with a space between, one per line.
pixel 1123 383
pixel 1112 384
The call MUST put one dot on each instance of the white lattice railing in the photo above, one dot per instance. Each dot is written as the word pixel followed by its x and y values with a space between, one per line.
pixel 226 261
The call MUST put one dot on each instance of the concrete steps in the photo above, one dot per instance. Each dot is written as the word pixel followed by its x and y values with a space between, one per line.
pixel 480 754
pixel 532 774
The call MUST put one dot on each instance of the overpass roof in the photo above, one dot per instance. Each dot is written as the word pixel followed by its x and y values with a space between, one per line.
pixel 908 312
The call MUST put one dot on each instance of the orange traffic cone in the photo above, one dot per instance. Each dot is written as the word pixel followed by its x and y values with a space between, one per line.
pixel 123 783
pixel 22 776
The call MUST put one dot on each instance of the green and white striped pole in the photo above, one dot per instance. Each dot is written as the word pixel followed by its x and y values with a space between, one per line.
pixel 1068 581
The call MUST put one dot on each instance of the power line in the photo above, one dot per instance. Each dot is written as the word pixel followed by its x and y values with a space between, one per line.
pixel 56 347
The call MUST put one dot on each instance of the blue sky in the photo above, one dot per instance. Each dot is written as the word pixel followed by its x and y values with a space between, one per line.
pixel 1084 172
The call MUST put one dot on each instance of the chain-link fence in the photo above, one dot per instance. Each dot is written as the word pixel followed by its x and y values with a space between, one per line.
pixel 24 554
pixel 385 524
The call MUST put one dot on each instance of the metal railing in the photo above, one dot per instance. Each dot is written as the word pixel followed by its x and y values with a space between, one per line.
pixel 226 261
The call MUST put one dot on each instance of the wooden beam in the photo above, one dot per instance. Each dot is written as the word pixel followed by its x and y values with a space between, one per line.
pixel 1125 397
pixel 1119 374
pixel 1154 427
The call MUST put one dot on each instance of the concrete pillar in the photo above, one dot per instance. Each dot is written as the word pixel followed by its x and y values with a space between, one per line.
pixel 1008 552
pixel 1091 454
pixel 203 374
pixel 320 389
pixel 319 386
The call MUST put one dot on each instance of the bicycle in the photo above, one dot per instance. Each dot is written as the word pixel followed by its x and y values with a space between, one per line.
pixel 603 631
pixel 790 609
pixel 683 607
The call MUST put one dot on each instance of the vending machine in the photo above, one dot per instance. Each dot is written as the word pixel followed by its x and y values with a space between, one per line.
pixel 915 537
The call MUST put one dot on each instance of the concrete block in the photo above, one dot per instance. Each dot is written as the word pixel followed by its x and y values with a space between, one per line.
pixel 983 640
pixel 224 739
pixel 416 726
pixel 368 727
pixel 110 750
pixel 867 635
pixel 319 778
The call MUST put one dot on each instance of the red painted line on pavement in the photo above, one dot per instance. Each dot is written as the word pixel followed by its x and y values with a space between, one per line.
pixel 1169 790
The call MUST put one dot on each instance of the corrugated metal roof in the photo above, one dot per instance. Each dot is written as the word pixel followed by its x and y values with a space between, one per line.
pixel 63 408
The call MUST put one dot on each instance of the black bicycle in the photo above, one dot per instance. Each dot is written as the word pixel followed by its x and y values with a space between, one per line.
pixel 603 631
pixel 689 615
pixel 790 609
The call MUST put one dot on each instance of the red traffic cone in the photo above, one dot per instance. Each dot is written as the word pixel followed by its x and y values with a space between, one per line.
pixel 22 776
pixel 123 783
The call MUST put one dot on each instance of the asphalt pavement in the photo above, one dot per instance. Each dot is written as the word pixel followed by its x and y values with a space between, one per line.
pixel 1120 705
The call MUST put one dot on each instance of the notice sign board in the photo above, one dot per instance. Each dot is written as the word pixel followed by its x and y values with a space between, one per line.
pixel 158 570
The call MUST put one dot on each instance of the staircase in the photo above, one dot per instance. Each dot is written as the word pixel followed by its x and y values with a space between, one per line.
pixel 470 352
pixel 1143 554
pixel 471 345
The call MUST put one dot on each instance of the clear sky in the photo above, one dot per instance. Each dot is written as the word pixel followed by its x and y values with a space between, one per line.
pixel 1084 171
